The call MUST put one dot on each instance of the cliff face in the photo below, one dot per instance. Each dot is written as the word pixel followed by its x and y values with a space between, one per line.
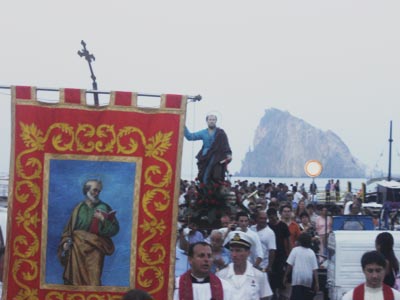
pixel 283 144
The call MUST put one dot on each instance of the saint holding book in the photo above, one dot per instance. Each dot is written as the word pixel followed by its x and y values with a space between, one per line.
pixel 86 238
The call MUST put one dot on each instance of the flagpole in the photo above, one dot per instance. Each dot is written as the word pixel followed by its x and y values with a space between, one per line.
pixel 390 153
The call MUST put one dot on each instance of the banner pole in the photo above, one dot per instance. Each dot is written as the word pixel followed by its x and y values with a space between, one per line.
pixel 193 98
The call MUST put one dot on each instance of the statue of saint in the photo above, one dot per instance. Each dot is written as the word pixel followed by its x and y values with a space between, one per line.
pixel 215 153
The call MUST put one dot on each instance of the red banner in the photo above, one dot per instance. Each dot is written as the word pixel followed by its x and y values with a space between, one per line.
pixel 61 153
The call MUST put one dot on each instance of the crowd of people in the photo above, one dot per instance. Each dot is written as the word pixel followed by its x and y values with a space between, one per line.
pixel 263 241
pixel 286 232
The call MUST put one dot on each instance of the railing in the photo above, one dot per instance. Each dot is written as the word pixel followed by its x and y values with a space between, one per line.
pixel 321 197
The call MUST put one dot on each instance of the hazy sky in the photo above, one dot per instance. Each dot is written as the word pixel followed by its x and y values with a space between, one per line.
pixel 334 64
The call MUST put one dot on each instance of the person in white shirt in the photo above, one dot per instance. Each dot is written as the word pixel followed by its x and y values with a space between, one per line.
pixel 349 200
pixel 248 283
pixel 199 283
pixel 181 259
pixel 373 266
pixel 296 198
pixel 267 239
pixel 303 264
pixel 256 254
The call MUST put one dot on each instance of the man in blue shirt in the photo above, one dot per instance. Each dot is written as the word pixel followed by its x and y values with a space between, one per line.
pixel 215 153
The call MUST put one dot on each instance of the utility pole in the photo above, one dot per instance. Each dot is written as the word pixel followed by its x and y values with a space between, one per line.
pixel 390 153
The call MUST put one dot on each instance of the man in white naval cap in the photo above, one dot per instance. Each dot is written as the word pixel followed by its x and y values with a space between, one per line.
pixel 248 283
pixel 256 250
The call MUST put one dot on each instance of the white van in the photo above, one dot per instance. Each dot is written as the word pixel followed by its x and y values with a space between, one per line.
pixel 345 249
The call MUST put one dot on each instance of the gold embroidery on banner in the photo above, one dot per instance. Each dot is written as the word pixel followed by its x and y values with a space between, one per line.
pixel 147 282
pixel 79 296
pixel 26 246
pixel 89 131
pixel 54 296
pixel 154 227
pixel 157 147
pixel 25 292
pixel 33 140
pixel 87 138
pixel 148 198
pixel 102 132
pixel 58 141
pixel 156 254
pixel 133 145
pixel 159 144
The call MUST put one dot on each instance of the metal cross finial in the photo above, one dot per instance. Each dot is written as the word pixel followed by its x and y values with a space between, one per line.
pixel 90 57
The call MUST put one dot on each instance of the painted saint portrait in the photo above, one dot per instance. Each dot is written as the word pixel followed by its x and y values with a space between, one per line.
pixel 90 221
